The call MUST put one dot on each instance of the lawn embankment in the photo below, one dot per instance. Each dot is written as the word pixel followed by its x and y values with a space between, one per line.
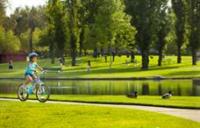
pixel 175 101
pixel 33 115
pixel 119 69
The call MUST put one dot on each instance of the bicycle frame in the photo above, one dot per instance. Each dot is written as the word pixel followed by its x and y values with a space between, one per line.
pixel 37 82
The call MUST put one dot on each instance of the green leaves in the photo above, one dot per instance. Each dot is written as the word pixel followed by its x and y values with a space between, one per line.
pixel 57 25
pixel 193 11
pixel 146 18
pixel 8 42
pixel 111 24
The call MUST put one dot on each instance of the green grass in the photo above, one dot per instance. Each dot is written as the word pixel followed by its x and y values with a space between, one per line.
pixel 175 101
pixel 34 115
pixel 100 69
pixel 178 101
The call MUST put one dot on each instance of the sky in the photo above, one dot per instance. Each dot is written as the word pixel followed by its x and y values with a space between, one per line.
pixel 13 4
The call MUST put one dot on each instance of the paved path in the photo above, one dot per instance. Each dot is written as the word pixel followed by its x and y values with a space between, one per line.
pixel 183 113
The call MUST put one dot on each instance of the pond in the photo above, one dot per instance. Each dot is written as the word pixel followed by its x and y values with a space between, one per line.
pixel 109 87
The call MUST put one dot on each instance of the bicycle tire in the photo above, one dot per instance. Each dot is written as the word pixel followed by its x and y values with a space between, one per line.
pixel 20 93
pixel 38 91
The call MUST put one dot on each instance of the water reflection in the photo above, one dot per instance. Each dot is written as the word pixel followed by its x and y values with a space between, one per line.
pixel 178 87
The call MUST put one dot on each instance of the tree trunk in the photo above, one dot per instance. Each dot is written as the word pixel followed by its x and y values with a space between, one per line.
pixel 31 40
pixel 160 57
pixel 73 54
pixel 132 57
pixel 52 53
pixel 179 59
pixel 81 42
pixel 106 60
pixel 113 58
pixel 95 53
pixel 73 37
pixel 85 52
pixel 145 59
pixel 102 51
pixel 52 60
pixel 194 57
pixel 73 49
pixel 160 50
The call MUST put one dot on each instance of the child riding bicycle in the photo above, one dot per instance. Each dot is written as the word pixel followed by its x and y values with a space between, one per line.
pixel 32 67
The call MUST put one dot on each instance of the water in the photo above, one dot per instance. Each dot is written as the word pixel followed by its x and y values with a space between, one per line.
pixel 148 87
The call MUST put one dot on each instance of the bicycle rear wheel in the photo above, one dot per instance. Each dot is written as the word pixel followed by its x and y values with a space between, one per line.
pixel 42 93
pixel 22 93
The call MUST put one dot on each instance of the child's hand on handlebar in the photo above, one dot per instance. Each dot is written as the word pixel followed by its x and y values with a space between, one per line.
pixel 44 71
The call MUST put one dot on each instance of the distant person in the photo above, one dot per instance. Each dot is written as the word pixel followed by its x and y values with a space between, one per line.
pixel 10 65
pixel 88 66
pixel 61 61
pixel 167 95
pixel 127 62
pixel 132 94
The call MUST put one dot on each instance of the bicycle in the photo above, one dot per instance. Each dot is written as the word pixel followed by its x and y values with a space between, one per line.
pixel 38 87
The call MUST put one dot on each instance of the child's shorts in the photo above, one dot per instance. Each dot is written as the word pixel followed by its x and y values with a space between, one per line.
pixel 29 74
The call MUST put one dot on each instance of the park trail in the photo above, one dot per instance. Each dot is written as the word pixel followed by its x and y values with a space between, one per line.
pixel 190 114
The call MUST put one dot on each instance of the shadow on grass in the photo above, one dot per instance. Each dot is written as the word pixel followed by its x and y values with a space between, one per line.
pixel 184 73
pixel 118 70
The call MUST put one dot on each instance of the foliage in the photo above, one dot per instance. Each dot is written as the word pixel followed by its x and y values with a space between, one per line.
pixel 72 7
pixel 165 26
pixel 194 24
pixel 56 28
pixel 9 43
pixel 145 17
pixel 2 10
pixel 179 7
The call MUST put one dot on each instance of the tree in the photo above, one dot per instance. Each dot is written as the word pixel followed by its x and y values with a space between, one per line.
pixel 57 28
pixel 8 41
pixel 180 12
pixel 36 37
pixel 194 22
pixel 82 17
pixel 26 20
pixel 109 27
pixel 2 10
pixel 124 31
pixel 87 18
pixel 145 18
pixel 72 8
pixel 164 27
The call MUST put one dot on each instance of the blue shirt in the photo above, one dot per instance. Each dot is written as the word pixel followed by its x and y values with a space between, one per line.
pixel 31 68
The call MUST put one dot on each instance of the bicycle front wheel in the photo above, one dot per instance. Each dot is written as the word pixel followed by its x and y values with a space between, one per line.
pixel 42 93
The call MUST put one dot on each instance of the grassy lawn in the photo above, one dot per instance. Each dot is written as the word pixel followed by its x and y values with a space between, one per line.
pixel 100 69
pixel 34 115
pixel 179 101
pixel 175 101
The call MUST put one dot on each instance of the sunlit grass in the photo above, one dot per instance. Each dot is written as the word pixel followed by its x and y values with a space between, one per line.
pixel 175 101
pixel 119 68
pixel 34 115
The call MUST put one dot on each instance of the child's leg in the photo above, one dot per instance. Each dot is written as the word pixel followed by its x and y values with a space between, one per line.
pixel 29 79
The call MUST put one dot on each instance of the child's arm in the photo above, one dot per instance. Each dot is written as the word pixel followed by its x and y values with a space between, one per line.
pixel 40 68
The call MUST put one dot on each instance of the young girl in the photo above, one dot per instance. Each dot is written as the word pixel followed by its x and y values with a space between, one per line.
pixel 30 72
